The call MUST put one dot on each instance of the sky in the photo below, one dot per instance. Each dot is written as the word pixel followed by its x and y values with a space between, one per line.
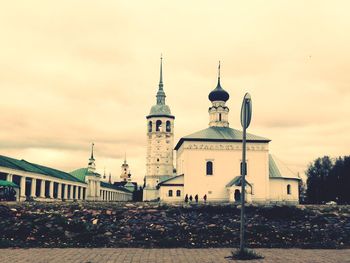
pixel 76 72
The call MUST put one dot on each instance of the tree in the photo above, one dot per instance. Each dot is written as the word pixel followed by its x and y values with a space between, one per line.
pixel 328 180
pixel 339 180
pixel 317 175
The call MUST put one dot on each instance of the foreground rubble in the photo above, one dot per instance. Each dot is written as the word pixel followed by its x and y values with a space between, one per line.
pixel 153 225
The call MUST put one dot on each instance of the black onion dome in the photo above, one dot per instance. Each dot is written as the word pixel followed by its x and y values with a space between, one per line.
pixel 219 94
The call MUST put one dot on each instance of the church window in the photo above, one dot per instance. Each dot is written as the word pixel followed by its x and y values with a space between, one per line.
pixel 170 193
pixel 168 126
pixel 157 159
pixel 178 192
pixel 289 190
pixel 209 167
pixel 159 125
pixel 149 126
pixel 219 116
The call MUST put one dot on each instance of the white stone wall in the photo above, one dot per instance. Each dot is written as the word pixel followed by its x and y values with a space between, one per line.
pixel 164 194
pixel 278 190
pixel 160 146
pixel 226 158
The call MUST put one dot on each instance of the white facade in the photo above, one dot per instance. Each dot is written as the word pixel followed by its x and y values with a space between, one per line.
pixel 172 190
pixel 192 158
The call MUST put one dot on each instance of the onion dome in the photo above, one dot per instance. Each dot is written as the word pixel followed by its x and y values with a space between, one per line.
pixel 218 94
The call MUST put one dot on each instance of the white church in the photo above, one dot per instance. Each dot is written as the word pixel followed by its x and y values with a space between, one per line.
pixel 208 161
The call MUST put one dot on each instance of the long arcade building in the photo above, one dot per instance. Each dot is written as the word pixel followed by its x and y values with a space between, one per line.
pixel 44 183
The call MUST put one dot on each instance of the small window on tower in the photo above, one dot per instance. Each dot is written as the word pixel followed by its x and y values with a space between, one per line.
pixel 159 125
pixel 219 116
pixel 157 159
pixel 168 126
pixel 149 126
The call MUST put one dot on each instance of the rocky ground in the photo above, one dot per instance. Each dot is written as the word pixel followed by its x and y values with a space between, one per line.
pixel 154 225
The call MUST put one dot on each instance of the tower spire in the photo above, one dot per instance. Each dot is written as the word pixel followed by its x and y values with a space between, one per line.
pixel 161 94
pixel 124 157
pixel 219 74
pixel 161 72
pixel 91 164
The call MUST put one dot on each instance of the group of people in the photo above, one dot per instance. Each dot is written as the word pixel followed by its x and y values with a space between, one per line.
pixel 190 199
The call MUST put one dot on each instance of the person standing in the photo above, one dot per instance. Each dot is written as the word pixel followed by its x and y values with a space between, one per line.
pixel 196 198
pixel 191 198
pixel 186 198
pixel 205 198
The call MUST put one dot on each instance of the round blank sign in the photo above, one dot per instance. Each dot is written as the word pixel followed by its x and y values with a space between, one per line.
pixel 246 111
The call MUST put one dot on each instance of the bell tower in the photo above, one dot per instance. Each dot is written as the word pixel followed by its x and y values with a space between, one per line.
pixel 160 143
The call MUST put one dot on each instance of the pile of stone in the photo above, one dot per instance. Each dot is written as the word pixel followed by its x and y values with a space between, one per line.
pixel 153 225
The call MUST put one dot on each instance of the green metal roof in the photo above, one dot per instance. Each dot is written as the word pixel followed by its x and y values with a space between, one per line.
pixel 278 169
pixel 112 186
pixel 220 134
pixel 26 166
pixel 81 173
pixel 8 183
pixel 170 179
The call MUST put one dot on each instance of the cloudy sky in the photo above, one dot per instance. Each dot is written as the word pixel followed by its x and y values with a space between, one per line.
pixel 76 72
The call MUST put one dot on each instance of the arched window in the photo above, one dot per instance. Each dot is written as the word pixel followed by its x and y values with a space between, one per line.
pixel 289 190
pixel 178 192
pixel 170 193
pixel 168 126
pixel 149 126
pixel 159 125
pixel 219 116
pixel 209 168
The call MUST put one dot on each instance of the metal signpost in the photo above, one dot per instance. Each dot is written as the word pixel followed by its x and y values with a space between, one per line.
pixel 246 115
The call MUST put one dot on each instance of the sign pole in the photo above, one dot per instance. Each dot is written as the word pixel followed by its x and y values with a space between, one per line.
pixel 246 113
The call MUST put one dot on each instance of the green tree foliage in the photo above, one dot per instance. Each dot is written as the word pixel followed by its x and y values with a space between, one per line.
pixel 328 180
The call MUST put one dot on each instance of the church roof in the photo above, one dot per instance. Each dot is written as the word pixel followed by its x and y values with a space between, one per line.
pixel 220 134
pixel 174 180
pixel 26 166
pixel 278 169
pixel 112 186
pixel 81 173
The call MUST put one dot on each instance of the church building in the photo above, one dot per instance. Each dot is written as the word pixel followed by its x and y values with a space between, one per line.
pixel 208 161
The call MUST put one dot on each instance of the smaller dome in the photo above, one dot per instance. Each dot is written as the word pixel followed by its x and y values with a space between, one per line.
pixel 218 94
pixel 160 110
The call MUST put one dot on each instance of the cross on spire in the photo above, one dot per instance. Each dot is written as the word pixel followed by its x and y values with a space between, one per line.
pixel 219 73
pixel 92 151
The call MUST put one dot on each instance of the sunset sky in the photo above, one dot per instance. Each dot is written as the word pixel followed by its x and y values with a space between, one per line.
pixel 76 72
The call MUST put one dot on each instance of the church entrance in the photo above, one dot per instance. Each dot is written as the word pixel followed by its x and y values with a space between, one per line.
pixel 237 195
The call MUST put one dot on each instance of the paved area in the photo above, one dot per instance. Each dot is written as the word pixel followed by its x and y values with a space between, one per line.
pixel 177 255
